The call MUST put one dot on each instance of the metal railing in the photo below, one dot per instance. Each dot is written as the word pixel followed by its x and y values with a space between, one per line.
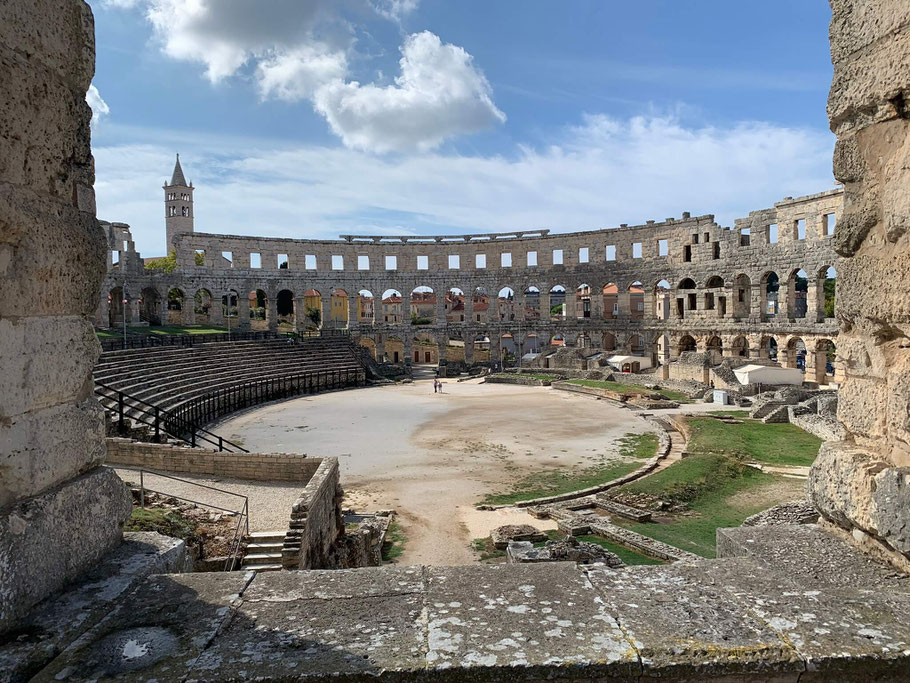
pixel 243 519
pixel 215 404
pixel 126 407
pixel 151 340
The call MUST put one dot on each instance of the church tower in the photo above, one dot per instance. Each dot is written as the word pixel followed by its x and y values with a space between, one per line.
pixel 178 205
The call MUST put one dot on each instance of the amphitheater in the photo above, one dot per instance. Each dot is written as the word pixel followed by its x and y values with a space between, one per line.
pixel 545 526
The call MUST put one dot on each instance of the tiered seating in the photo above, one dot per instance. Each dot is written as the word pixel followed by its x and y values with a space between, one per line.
pixel 169 377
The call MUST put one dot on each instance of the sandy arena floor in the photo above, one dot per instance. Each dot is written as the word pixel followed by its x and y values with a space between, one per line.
pixel 432 456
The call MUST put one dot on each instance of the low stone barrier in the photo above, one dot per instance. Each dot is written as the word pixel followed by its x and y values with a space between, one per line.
pixel 518 379
pixel 592 391
pixel 316 521
pixel 292 467
pixel 643 544
pixel 635 514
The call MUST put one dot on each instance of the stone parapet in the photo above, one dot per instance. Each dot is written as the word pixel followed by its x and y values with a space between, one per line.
pixel 292 467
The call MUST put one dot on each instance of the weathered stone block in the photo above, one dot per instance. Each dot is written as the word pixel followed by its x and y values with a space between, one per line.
pixel 52 538
pixel 45 362
pixel 44 447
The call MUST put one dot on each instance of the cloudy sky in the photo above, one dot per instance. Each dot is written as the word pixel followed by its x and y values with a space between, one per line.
pixel 314 118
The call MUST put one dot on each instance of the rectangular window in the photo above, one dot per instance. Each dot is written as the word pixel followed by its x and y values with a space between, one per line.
pixel 309 262
pixel 611 252
pixel 454 262
pixel 126 247
pixel 505 260
pixel 228 259
pixel 557 257
pixel 745 237
pixel 829 220
pixel 716 254
pixel 423 263
pixel 337 262
pixel 532 259
pixel 772 233
pixel 695 238
pixel 687 253
pixel 707 237
pixel 636 249
pixel 255 259
pixel 663 248
pixel 391 263
pixel 115 257
pixel 801 229
pixel 583 256
pixel 480 261
pixel 363 262
pixel 283 261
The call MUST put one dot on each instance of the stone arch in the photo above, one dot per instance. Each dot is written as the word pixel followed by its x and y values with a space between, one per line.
pixel 636 293
pixel 505 304
pixel 608 341
pixel 740 347
pixel 770 289
pixel 558 302
pixel 532 303
pixel 177 313
pixel 202 306
pixel 826 370
pixel 339 308
pixel 230 302
pixel 425 349
pixel 661 300
pixel 454 305
pixel 366 307
pixel 825 292
pixel 150 306
pixel 480 305
pixel 369 344
pixel 798 293
pixel 742 296
pixel 796 353
pixel 392 309
pixel 286 308
pixel 636 344
pixel 422 306
pixel 610 294
pixel 312 306
pixel 481 347
pixel 259 309
pixel 583 303
pixel 768 348
pixel 686 297
pixel 685 343
pixel 394 350
pixel 715 347
pixel 558 339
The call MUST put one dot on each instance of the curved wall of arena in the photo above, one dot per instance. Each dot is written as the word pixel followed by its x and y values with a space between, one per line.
pixel 717 297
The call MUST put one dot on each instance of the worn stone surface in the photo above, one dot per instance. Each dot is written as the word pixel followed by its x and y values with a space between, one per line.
pixel 501 535
pixel 52 538
pixel 59 620
pixel 795 512
pixel 160 629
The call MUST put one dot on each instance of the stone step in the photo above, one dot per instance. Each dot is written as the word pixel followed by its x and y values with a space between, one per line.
pixel 261 558
pixel 266 536
pixel 263 567
pixel 272 546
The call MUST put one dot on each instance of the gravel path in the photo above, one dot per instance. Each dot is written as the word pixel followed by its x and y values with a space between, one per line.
pixel 270 503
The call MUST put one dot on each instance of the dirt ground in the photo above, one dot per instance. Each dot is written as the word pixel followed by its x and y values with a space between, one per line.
pixel 432 456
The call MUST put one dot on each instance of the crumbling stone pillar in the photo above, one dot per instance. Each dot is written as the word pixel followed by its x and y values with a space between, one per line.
pixel 60 512
pixel 353 310
pixel 861 484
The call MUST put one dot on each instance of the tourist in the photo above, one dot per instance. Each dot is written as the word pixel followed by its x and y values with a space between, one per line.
pixel 435 385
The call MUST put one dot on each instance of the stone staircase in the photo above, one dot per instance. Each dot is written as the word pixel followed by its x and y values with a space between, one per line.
pixel 263 552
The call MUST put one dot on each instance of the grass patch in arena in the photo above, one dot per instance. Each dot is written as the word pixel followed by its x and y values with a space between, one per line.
pixel 641 446
pixel 487 552
pixel 753 440
pixel 625 554
pixel 393 545
pixel 555 482
pixel 620 388
pixel 715 486
pixel 160 330
pixel 165 522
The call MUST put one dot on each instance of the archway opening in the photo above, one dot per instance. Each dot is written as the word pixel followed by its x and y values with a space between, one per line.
pixel 557 302
pixel 259 310
pixel 391 308
pixel 610 293
pixel 506 302
pixel 366 309
pixel 150 306
pixel 312 304
pixel 422 310
pixel 287 318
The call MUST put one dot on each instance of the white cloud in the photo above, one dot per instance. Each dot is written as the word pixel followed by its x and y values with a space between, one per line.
pixel 440 93
pixel 296 50
pixel 604 172
pixel 395 9
pixel 297 74
pixel 98 105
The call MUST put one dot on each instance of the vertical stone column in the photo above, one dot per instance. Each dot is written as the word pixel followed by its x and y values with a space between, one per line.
pixel 544 304
pixel 162 305
pixel 380 349
pixel 408 343
pixel 571 300
pixel 469 307
pixel 300 319
pixel 188 310
pixel 623 299
pixel 469 349
pixel 60 512
pixel 271 310
pixel 860 484
pixel 326 315
pixel 242 321
pixel 216 312
pixel 597 305
pixel 440 309
pixel 519 305
pixel 353 310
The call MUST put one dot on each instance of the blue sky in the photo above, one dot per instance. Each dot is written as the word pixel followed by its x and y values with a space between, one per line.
pixel 312 118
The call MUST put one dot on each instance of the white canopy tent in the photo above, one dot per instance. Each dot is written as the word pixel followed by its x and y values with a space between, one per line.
pixel 625 363
pixel 768 374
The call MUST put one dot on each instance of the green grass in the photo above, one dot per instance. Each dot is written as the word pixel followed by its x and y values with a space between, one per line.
pixel 166 522
pixel 558 481
pixel 164 329
pixel 625 554
pixel 487 551
pixel 394 543
pixel 677 396
pixel 753 441
pixel 528 375
pixel 642 446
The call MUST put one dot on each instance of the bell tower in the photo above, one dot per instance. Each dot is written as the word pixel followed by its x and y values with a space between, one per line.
pixel 178 206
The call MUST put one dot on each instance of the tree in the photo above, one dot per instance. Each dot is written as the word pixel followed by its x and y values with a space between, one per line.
pixel 556 310
pixel 199 258
pixel 314 314
pixel 829 296
pixel 168 264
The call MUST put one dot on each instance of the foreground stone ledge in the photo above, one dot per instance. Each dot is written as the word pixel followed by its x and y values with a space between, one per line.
pixel 58 621
pixel 55 537
pixel 762 614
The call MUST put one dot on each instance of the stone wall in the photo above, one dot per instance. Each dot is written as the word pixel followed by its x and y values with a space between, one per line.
pixel 860 484
pixel 59 511
pixel 293 467
pixel 316 521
